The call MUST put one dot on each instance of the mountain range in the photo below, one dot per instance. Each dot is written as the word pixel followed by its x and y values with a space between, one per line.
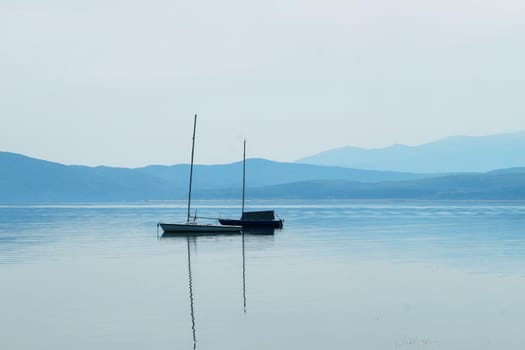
pixel 25 179
pixel 29 180
pixel 451 154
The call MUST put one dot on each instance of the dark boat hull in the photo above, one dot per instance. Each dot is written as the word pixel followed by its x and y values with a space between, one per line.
pixel 252 223
pixel 197 228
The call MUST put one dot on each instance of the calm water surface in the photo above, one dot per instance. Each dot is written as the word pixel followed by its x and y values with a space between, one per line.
pixel 340 275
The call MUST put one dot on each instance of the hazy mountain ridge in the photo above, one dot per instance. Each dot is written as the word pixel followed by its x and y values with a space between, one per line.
pixel 262 172
pixel 487 186
pixel 451 154
pixel 25 179
pixel 29 180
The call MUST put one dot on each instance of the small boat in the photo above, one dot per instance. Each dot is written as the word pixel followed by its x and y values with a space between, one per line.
pixel 193 227
pixel 190 226
pixel 253 219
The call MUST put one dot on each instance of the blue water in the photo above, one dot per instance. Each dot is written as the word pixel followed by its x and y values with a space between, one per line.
pixel 340 275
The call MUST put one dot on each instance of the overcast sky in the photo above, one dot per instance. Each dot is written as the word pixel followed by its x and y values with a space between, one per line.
pixel 118 82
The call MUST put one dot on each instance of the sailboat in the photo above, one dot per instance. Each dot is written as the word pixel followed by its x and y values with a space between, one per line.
pixel 191 226
pixel 253 219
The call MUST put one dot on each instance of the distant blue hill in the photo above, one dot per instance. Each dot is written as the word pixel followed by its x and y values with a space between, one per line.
pixel 25 179
pixel 29 180
pixel 497 185
pixel 448 155
pixel 262 172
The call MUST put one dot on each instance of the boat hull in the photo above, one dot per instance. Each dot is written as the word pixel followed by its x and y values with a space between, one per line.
pixel 252 223
pixel 197 228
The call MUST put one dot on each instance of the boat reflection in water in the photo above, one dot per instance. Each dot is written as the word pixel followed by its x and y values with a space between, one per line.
pixel 250 232
pixel 245 235
pixel 187 238
pixel 190 287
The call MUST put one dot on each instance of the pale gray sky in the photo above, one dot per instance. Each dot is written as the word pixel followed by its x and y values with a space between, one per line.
pixel 117 82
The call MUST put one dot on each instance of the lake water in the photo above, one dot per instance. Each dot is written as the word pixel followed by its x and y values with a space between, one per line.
pixel 340 275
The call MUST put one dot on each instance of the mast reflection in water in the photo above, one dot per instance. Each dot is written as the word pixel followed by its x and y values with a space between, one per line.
pixel 193 238
pixel 243 275
pixel 190 284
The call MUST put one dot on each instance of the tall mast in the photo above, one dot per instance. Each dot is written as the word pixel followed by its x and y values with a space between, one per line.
pixel 191 165
pixel 243 175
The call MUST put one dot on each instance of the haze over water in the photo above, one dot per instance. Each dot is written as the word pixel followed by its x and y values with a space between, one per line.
pixel 340 275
